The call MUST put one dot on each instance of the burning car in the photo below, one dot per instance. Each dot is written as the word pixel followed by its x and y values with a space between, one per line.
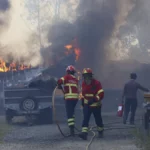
pixel 32 101
pixel 33 98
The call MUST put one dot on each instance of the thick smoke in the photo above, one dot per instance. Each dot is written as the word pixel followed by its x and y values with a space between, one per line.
pixel 139 24
pixel 130 41
pixel 95 26
pixel 124 8
pixel 98 25
pixel 115 46
pixel 98 32
pixel 16 36
pixel 92 29
pixel 60 34
pixel 4 5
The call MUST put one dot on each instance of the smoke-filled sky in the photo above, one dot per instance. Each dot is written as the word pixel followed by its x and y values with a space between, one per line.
pixel 96 27
pixel 16 37
pixel 99 25
pixel 4 5
pixel 19 27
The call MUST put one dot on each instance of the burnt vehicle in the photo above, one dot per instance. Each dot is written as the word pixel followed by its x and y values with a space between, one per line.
pixel 33 100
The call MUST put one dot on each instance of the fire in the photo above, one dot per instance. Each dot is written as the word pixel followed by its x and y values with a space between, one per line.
pixel 77 52
pixel 70 48
pixel 12 66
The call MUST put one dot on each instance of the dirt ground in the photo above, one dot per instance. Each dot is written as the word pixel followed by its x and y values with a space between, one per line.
pixel 47 137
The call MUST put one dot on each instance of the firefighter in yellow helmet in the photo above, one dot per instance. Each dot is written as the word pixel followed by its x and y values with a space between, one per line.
pixel 92 93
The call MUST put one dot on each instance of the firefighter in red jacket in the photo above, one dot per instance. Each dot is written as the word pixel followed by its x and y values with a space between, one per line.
pixel 71 94
pixel 92 94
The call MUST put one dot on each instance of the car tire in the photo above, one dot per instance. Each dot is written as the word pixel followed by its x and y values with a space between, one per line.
pixel 28 104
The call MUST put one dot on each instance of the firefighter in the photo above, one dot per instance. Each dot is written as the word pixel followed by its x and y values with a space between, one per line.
pixel 71 94
pixel 129 92
pixel 92 94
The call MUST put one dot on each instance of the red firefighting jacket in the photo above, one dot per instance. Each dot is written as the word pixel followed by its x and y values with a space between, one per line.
pixel 70 87
pixel 92 91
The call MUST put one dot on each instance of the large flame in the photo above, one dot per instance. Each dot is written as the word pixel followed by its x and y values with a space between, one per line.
pixel 12 66
pixel 73 48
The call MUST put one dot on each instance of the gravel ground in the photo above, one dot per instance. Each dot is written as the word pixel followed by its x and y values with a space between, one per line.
pixel 47 137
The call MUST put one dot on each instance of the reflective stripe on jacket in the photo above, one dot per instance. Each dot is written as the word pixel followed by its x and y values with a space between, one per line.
pixel 93 91
pixel 70 83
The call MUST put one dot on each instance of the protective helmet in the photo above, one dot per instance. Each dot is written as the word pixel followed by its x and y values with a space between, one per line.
pixel 87 71
pixel 71 69
pixel 133 76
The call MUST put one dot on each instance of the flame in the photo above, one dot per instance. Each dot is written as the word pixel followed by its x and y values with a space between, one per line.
pixel 70 48
pixel 3 67
pixel 77 52
pixel 12 66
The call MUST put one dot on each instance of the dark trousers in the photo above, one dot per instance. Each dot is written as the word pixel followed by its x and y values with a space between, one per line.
pixel 130 105
pixel 70 110
pixel 96 111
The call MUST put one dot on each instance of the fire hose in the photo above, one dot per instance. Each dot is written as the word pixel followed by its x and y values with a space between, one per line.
pixel 92 129
pixel 54 113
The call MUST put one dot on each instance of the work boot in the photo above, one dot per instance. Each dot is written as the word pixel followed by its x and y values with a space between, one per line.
pixel 100 134
pixel 83 135
pixel 72 131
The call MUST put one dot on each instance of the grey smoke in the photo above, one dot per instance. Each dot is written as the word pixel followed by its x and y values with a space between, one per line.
pixel 95 25
pixel 93 29
pixel 4 5
pixel 60 34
